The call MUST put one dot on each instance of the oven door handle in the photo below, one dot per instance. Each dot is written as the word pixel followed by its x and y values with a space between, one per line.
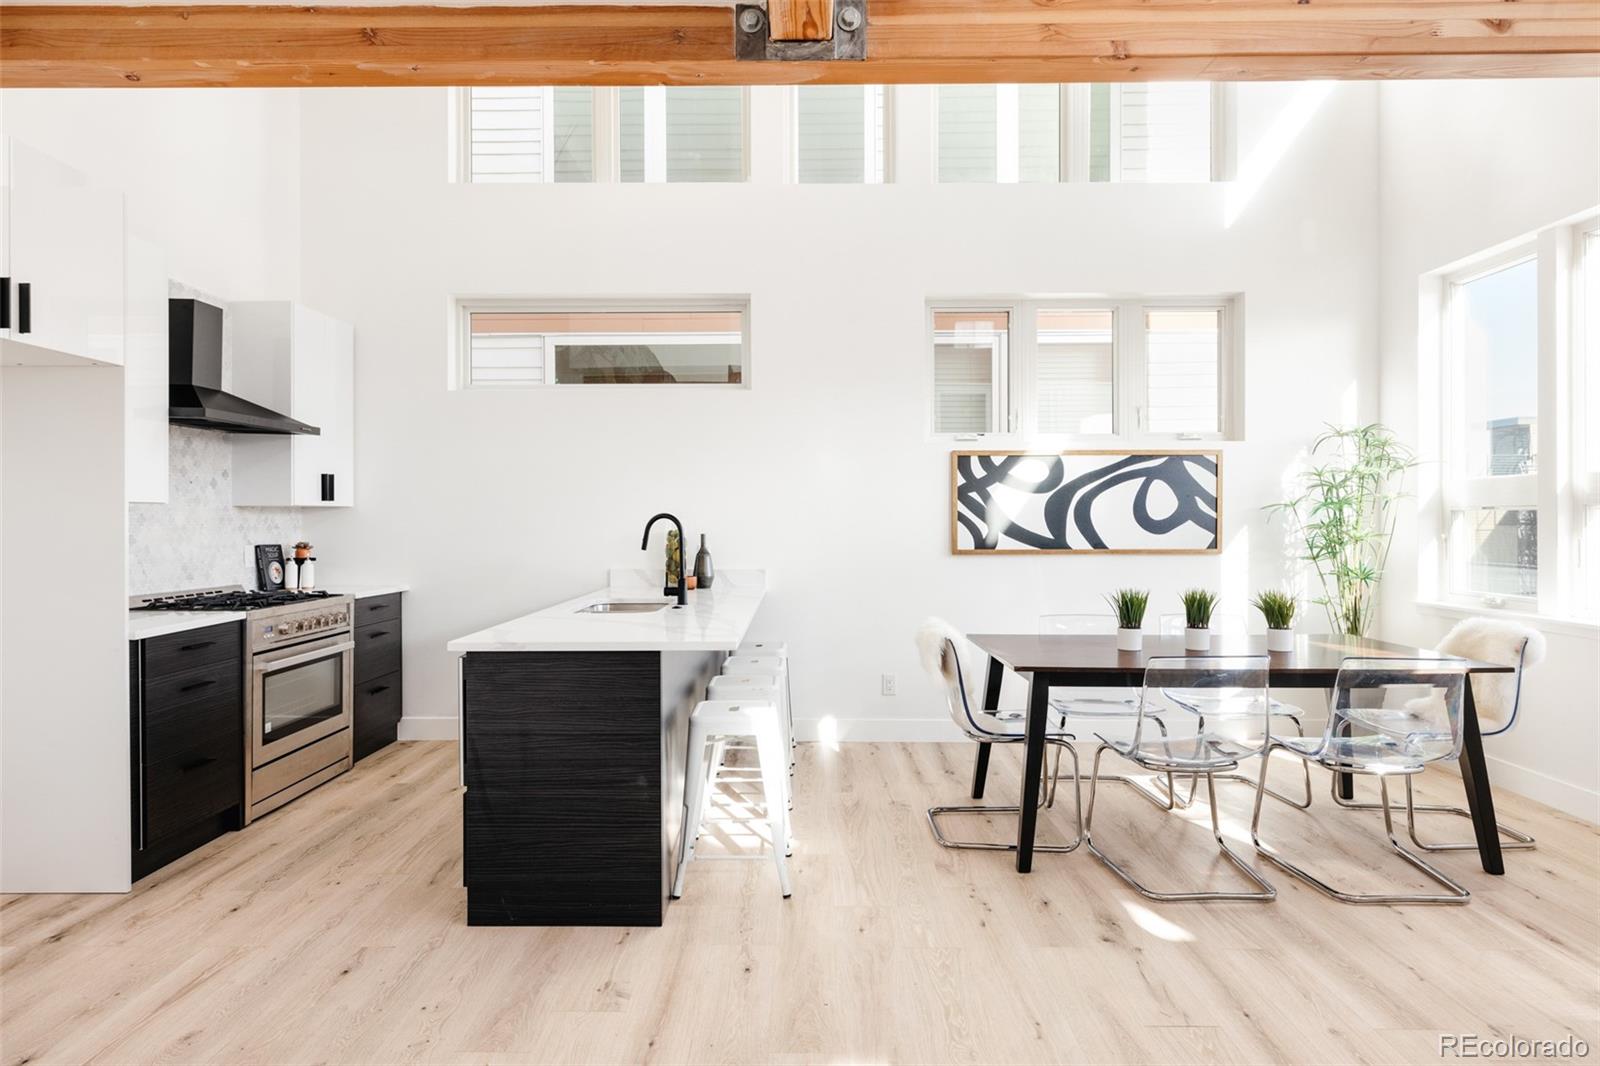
pixel 310 656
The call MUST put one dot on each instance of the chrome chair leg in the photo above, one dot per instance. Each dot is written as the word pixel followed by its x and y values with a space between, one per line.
pixel 1046 799
pixel 1519 841
pixel 1305 767
pixel 1455 893
pixel 1160 791
pixel 1266 894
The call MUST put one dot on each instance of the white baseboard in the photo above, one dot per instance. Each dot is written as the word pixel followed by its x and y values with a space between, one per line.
pixel 439 727
pixel 1564 796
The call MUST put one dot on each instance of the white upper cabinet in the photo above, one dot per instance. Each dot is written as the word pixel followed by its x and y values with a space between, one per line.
pixel 301 363
pixel 61 255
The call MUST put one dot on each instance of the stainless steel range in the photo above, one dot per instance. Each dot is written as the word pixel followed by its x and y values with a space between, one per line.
pixel 299 686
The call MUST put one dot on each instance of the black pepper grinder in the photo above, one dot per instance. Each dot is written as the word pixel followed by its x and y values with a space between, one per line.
pixel 704 571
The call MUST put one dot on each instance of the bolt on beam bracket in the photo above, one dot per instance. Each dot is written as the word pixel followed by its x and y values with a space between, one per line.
pixel 752 35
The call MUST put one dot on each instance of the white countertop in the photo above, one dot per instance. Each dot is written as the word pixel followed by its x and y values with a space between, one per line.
pixel 145 624
pixel 715 619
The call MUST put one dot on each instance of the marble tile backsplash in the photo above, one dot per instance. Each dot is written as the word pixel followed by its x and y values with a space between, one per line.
pixel 198 538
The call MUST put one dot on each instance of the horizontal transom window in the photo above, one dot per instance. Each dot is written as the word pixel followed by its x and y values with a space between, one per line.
pixel 508 346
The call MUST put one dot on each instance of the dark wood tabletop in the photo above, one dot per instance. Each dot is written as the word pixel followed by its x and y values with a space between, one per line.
pixel 1314 661
pixel 1092 661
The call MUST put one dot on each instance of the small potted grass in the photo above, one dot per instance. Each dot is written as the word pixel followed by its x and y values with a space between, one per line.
pixel 1129 606
pixel 1197 607
pixel 1278 609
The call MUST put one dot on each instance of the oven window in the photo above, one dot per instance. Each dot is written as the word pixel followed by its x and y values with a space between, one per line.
pixel 301 696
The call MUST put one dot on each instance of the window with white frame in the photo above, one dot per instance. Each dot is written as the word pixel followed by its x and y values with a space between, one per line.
pixel 1085 367
pixel 839 134
pixel 511 344
pixel 576 134
pixel 1520 472
pixel 1492 428
pixel 1153 132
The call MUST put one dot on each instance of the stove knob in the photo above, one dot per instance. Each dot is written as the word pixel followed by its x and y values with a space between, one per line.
pixel 283 629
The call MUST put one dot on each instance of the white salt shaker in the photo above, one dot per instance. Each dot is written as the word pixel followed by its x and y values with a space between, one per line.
pixel 308 581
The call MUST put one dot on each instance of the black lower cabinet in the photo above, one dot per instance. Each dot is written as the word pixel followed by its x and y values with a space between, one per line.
pixel 186 702
pixel 377 681
pixel 574 768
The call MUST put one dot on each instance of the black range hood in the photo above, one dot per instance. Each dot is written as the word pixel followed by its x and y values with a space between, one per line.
pixel 194 367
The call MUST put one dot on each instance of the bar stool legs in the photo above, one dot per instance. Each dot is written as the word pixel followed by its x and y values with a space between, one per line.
pixel 711 723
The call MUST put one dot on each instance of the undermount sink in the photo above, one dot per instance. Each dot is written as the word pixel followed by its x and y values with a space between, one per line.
pixel 622 607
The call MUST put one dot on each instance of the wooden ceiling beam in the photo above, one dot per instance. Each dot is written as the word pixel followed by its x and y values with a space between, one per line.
pixel 907 41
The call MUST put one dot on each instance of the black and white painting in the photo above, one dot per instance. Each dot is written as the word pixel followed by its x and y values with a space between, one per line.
pixel 1086 501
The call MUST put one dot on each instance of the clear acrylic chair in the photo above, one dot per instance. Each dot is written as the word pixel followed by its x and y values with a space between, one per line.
pixel 1389 718
pixel 1518 840
pixel 1109 704
pixel 1236 727
pixel 942 646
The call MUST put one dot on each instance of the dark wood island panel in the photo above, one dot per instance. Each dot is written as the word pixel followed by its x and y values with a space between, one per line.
pixel 574 782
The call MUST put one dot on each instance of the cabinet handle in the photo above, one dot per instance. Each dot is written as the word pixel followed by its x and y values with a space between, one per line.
pixel 376 633
pixel 377 689
pixel 5 303
pixel 197 647
pixel 198 684
pixel 195 765
pixel 24 307
pixel 327 488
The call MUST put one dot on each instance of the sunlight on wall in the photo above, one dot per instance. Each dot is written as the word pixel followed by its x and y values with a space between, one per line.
pixel 1235 576
pixel 1274 144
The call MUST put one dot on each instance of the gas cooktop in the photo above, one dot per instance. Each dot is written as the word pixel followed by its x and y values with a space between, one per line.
pixel 224 599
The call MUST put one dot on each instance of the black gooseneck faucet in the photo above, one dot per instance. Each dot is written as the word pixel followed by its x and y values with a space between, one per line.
pixel 682 590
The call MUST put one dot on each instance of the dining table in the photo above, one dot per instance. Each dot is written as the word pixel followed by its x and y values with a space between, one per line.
pixel 1052 661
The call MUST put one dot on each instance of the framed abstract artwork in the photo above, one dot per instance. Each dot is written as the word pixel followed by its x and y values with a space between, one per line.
pixel 1087 501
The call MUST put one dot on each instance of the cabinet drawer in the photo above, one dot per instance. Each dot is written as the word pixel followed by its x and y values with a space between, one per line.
pixel 377 713
pixel 377 650
pixel 180 652
pixel 377 609
pixel 181 710
pixel 195 784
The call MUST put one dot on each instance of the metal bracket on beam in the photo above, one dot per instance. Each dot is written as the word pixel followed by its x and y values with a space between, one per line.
pixel 752 35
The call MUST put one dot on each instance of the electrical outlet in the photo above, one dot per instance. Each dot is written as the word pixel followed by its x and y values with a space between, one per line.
pixel 888 684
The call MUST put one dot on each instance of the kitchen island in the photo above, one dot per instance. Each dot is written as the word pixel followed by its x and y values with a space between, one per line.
pixel 574 725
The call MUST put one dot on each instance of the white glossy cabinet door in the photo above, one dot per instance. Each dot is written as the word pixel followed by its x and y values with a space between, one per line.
pixel 300 362
pixel 64 264
pixel 145 376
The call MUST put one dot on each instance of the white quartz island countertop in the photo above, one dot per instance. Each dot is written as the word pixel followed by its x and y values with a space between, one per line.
pixel 715 619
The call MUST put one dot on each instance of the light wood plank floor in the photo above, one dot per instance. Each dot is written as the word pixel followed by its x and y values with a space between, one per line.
pixel 333 931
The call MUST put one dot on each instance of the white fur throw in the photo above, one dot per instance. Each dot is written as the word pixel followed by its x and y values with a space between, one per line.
pixel 1493 640
pixel 935 655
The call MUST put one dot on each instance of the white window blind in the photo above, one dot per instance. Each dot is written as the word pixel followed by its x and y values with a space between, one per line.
pixel 1003 133
pixel 839 133
pixel 1183 350
pixel 967 133
pixel 530 134
pixel 1075 371
pixel 678 134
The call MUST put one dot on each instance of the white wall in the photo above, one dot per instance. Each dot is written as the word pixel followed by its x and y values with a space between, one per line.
pixel 1464 166
pixel 494 503
pixel 212 176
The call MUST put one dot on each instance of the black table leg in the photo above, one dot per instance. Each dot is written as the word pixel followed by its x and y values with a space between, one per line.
pixel 1475 776
pixel 1032 770
pixel 991 702
pixel 1346 782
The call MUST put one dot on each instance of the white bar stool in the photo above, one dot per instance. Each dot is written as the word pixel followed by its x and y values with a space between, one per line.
pixel 734 718
pixel 778 667
pixel 756 686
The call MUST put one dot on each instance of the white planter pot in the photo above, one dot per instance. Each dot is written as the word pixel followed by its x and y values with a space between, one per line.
pixel 1280 640
pixel 1197 639
pixel 1130 639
